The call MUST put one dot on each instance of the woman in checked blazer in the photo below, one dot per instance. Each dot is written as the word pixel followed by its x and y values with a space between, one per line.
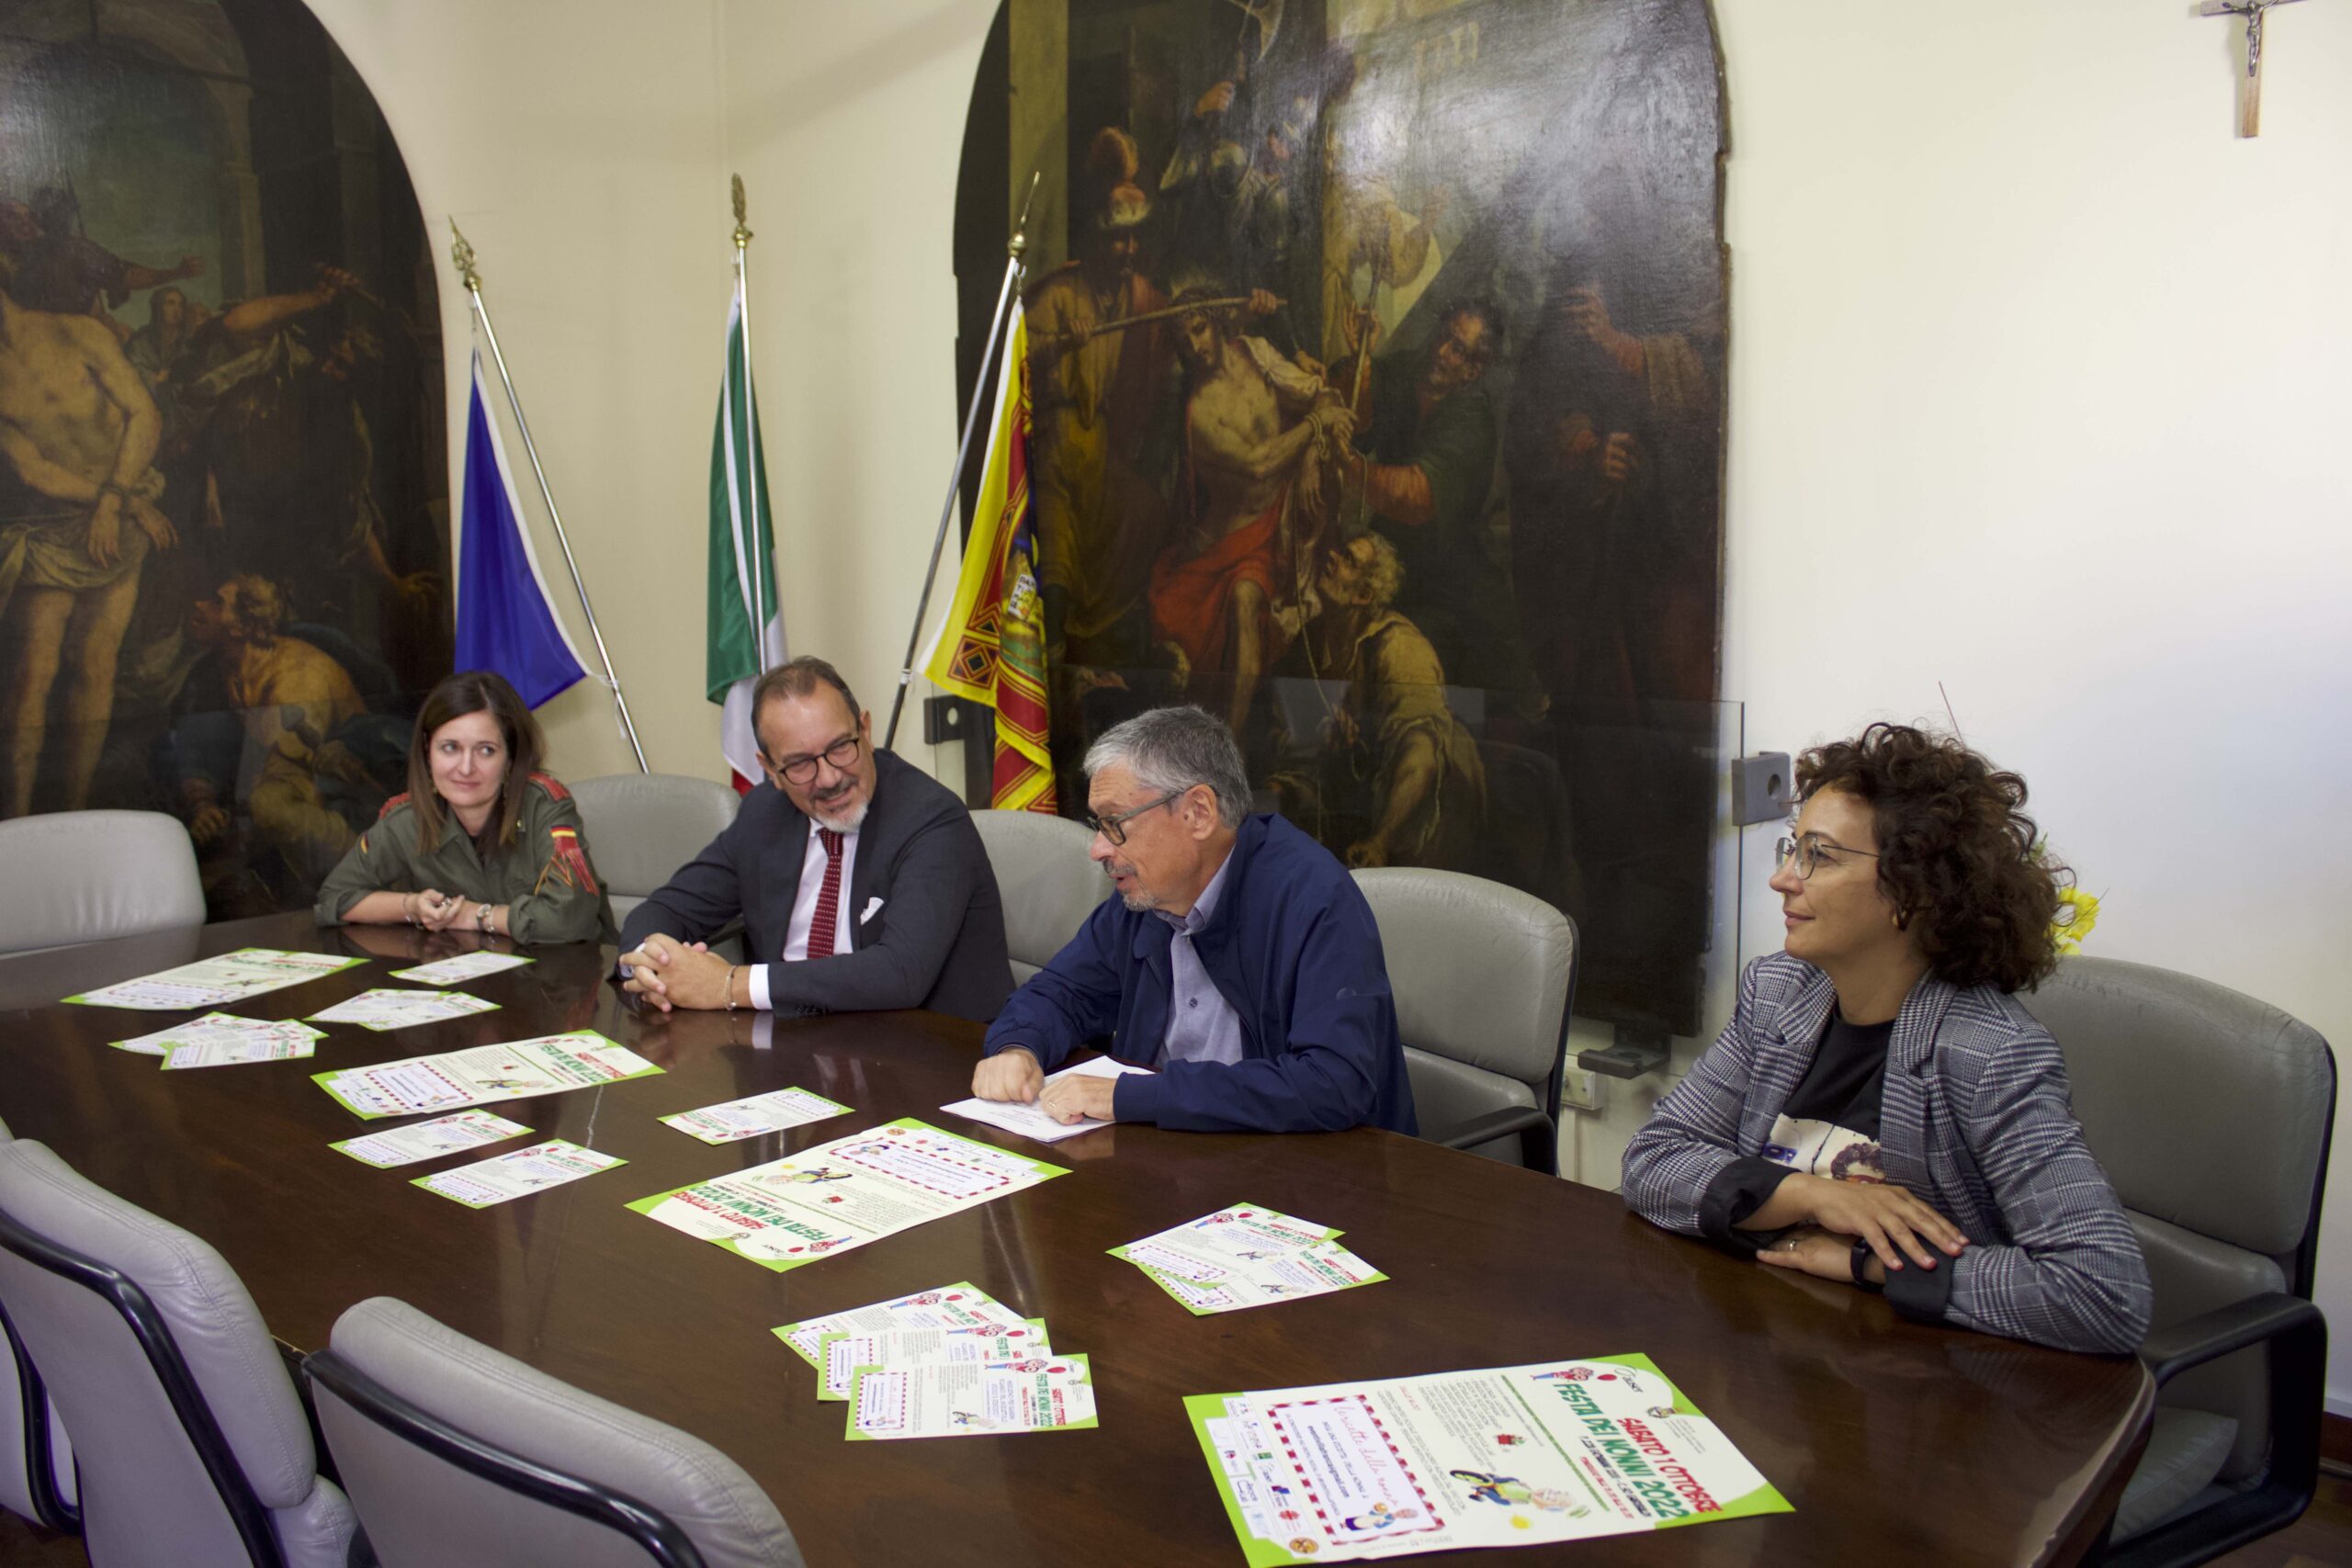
pixel 1881 1109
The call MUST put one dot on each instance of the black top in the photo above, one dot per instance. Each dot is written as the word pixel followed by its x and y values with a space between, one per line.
pixel 1844 1085
pixel 1849 1073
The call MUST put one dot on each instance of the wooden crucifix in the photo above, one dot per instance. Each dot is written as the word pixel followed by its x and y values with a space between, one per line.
pixel 2250 89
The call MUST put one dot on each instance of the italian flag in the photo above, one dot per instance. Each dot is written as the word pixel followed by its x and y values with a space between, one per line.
pixel 746 627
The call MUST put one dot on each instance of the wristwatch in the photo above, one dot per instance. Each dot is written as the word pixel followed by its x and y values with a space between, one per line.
pixel 1862 1255
pixel 481 918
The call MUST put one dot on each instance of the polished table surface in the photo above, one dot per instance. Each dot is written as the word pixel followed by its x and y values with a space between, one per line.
pixel 1948 1447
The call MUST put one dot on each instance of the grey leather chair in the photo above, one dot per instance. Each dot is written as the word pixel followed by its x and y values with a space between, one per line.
pixel 76 876
pixel 642 826
pixel 2213 1113
pixel 1048 885
pixel 193 1447
pixel 1484 975
pixel 456 1453
pixel 36 1460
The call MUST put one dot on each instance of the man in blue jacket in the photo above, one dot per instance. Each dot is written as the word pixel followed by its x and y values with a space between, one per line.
pixel 1239 960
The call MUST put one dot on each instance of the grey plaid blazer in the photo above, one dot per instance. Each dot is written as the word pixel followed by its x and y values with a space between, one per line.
pixel 1976 1122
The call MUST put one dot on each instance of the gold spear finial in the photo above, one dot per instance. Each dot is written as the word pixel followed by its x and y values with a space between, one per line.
pixel 462 253
pixel 742 235
pixel 1019 243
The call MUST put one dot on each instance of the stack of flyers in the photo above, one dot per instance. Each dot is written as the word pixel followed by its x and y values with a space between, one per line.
pixel 1246 1255
pixel 430 1140
pixel 971 1399
pixel 949 1362
pixel 948 1306
pixel 501 1176
pixel 458 970
pixel 748 1118
pixel 841 1355
pixel 223 1029
pixel 386 1009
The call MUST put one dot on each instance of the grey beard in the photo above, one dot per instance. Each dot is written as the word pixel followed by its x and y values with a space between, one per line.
pixel 849 824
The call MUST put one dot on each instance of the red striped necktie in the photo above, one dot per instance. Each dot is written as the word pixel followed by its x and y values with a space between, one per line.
pixel 829 898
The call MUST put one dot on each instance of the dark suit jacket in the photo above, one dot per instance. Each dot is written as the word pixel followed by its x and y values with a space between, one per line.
pixel 937 940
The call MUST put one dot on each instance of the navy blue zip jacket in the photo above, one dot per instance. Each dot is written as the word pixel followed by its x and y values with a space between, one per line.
pixel 1292 947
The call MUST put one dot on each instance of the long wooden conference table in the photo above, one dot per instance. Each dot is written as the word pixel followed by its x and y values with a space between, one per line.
pixel 1939 1445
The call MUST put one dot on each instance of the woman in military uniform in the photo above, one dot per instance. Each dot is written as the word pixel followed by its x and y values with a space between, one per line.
pixel 481 840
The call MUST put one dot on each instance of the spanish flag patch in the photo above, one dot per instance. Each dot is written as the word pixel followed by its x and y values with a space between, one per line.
pixel 568 862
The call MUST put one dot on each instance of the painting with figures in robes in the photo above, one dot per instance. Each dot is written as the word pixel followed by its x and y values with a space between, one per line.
pixel 223 473
pixel 1377 362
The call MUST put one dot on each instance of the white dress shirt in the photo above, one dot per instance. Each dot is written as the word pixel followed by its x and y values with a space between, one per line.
pixel 804 911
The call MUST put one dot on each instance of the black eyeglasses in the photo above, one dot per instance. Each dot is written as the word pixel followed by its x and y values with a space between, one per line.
pixel 1806 850
pixel 801 770
pixel 1116 828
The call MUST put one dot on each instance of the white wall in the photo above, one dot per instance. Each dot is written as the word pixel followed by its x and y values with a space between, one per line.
pixel 2034 374
pixel 2038 376
pixel 577 144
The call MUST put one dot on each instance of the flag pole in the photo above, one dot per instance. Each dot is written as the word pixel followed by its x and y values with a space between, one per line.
pixel 1015 248
pixel 462 253
pixel 751 424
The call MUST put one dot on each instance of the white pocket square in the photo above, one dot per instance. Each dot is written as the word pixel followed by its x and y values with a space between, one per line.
pixel 873 908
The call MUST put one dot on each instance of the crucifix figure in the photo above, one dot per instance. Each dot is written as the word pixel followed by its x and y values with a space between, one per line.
pixel 2250 92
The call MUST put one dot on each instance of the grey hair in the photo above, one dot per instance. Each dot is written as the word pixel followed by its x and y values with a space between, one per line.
pixel 1170 749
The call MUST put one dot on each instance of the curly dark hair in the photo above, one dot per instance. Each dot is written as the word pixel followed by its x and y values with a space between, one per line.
pixel 1956 851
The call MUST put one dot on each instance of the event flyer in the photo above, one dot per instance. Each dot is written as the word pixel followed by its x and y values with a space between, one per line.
pixel 1031 1122
pixel 960 1305
pixel 1246 1255
pixel 483 1074
pixel 429 1140
pixel 517 1173
pixel 269 1043
pixel 231 978
pixel 749 1117
pixel 464 967
pixel 386 1009
pixel 844 1194
pixel 840 1355
pixel 218 1028
pixel 1501 1455
pixel 971 1399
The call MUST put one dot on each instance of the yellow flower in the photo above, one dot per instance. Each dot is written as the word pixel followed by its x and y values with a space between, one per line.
pixel 2077 913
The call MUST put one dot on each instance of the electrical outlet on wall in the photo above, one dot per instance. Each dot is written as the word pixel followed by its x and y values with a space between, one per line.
pixel 1580 1089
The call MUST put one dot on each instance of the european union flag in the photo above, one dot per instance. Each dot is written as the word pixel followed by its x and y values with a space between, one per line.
pixel 503 619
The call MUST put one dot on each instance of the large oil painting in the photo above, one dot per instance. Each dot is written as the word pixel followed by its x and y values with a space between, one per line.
pixel 1377 357
pixel 224 509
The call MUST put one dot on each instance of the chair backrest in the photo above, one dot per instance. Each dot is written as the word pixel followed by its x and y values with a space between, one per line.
pixel 22 1466
pixel 1047 883
pixel 642 826
pixel 77 876
pixel 192 1445
pixel 2211 1113
pixel 455 1452
pixel 1483 976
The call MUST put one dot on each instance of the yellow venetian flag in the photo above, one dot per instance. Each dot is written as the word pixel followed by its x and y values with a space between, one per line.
pixel 992 646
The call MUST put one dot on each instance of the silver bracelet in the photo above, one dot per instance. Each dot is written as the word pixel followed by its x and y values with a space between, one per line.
pixel 481 918
pixel 730 987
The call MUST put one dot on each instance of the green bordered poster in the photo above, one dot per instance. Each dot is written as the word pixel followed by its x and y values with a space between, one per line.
pixel 845 1194
pixel 971 1399
pixel 212 981
pixel 1501 1455
pixel 1247 1255
pixel 482 1074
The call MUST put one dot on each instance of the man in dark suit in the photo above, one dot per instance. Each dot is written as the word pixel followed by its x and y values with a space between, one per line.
pixel 860 882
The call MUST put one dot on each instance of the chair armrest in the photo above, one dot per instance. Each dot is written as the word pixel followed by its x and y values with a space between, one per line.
pixel 1493 1124
pixel 2169 1351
